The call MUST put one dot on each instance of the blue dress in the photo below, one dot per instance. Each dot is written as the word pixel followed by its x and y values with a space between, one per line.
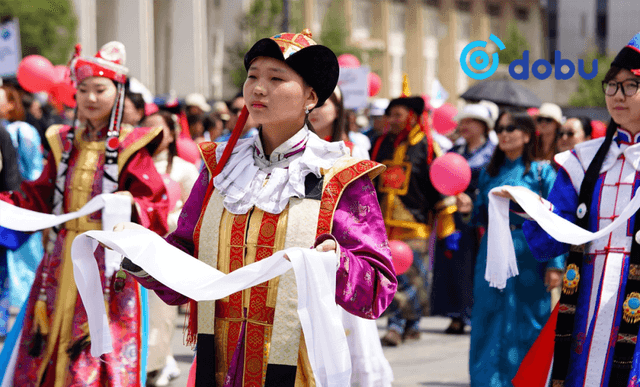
pixel 22 263
pixel 505 323
pixel 452 292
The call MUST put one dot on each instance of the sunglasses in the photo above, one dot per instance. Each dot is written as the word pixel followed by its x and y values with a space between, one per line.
pixel 235 111
pixel 541 120
pixel 501 128
pixel 567 133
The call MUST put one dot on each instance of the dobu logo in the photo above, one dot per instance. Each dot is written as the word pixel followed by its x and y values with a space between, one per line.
pixel 479 61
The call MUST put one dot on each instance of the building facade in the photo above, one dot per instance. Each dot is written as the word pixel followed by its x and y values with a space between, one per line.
pixel 183 45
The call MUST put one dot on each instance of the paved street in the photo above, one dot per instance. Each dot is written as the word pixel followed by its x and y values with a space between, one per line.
pixel 436 360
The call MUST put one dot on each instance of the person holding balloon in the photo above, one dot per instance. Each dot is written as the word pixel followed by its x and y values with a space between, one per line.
pixel 410 203
pixel 452 291
pixel 505 323
pixel 87 159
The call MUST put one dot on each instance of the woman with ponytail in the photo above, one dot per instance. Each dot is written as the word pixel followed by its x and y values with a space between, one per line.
pixel 593 339
pixel 100 155
pixel 284 187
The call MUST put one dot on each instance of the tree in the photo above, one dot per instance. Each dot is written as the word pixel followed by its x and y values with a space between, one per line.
pixel 47 27
pixel 590 91
pixel 263 19
pixel 515 45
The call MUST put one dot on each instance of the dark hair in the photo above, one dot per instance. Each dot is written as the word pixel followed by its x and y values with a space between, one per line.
pixel 586 125
pixel 136 99
pixel 210 121
pixel 171 124
pixel 523 122
pixel 138 102
pixel 613 71
pixel 339 126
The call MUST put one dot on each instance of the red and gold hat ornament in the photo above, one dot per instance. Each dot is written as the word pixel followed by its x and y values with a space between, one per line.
pixel 108 62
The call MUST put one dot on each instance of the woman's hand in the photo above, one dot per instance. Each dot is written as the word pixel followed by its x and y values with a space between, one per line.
pixel 464 203
pixel 127 226
pixel 328 245
pixel 553 278
pixel 504 194
pixel 126 193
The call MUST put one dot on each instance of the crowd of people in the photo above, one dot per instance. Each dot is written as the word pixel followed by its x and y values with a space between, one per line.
pixel 305 171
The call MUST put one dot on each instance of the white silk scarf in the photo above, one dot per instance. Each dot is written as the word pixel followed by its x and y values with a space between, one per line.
pixel 315 275
pixel 501 256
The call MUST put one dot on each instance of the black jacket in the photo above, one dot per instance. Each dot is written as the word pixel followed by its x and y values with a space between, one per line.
pixel 10 178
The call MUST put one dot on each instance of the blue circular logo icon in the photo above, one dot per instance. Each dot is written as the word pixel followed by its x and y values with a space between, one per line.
pixel 479 60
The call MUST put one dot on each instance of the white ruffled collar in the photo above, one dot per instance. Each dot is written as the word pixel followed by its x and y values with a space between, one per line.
pixel 250 179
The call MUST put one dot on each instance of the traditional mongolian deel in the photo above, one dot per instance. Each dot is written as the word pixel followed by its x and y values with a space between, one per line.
pixel 253 337
pixel 53 348
pixel 599 319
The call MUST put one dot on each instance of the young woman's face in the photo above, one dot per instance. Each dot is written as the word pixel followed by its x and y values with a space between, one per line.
pixel 471 129
pixel 570 134
pixel 322 118
pixel 275 94
pixel 511 143
pixel 625 110
pixel 546 126
pixel 154 121
pixel 131 115
pixel 95 98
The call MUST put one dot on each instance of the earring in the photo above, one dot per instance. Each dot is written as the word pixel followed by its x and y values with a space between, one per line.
pixel 306 110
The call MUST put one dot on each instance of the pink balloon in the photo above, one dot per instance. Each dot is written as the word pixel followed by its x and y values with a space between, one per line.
pixel 375 83
pixel 401 255
pixel 188 150
pixel 598 129
pixel 533 111
pixel 35 74
pixel 348 60
pixel 450 174
pixel 443 118
pixel 174 191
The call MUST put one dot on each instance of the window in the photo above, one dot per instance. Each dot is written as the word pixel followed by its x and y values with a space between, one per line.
pixel 522 13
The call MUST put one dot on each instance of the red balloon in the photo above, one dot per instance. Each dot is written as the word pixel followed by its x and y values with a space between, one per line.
pixel 188 150
pixel 35 74
pixel 348 60
pixel 443 118
pixel 450 174
pixel 174 191
pixel 375 83
pixel 598 129
pixel 64 93
pixel 61 73
pixel 401 255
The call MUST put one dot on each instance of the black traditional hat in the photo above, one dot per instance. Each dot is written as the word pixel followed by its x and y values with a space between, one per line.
pixel 629 57
pixel 315 63
pixel 416 104
pixel 412 103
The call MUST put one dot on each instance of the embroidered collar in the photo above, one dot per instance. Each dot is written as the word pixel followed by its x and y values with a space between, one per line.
pixel 250 179
pixel 293 146
pixel 623 136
